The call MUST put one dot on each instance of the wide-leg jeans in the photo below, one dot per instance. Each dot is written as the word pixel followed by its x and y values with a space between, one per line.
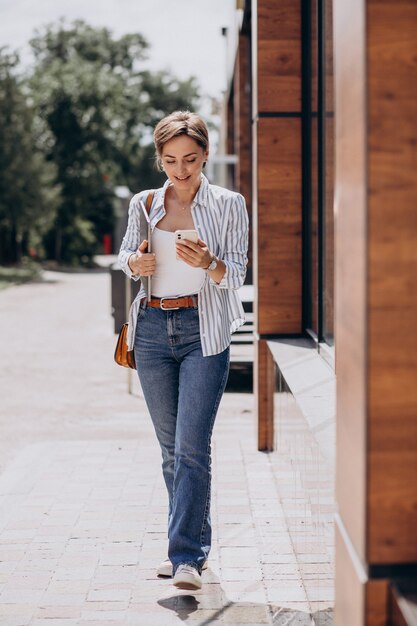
pixel 182 390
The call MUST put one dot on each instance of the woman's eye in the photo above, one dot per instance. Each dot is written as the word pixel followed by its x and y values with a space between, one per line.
pixel 170 162
pixel 191 161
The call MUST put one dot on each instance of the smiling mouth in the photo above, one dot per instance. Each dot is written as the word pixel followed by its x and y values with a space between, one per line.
pixel 183 178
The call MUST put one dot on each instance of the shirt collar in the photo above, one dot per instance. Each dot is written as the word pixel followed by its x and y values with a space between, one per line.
pixel 199 198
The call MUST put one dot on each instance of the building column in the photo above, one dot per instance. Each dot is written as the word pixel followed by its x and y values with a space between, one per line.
pixel 376 303
pixel 277 198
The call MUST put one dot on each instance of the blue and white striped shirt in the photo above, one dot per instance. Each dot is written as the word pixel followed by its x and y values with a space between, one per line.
pixel 221 220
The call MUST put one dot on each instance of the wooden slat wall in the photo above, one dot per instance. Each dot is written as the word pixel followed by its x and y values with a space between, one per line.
pixel 264 386
pixel 243 139
pixel 350 592
pixel 376 603
pixel 279 55
pixel 277 183
pixel 277 236
pixel 279 244
pixel 376 296
pixel 352 604
pixel 243 131
pixel 392 287
pixel 350 267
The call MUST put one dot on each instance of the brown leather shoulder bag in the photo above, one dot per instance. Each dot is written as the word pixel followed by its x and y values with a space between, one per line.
pixel 123 356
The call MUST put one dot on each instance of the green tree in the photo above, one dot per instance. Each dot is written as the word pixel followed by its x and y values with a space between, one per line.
pixel 97 105
pixel 28 195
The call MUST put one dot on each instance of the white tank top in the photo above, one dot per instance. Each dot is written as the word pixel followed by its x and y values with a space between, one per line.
pixel 172 277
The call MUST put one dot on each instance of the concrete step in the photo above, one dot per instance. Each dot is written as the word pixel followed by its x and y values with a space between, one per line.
pixel 242 339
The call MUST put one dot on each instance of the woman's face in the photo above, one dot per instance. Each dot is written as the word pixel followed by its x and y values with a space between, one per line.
pixel 183 159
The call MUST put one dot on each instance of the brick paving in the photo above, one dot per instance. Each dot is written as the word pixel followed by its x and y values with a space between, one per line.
pixel 83 519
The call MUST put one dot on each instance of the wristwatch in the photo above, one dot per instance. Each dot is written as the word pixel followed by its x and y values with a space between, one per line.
pixel 213 265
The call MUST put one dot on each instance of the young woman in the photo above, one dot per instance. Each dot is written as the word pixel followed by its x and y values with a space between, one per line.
pixel 181 333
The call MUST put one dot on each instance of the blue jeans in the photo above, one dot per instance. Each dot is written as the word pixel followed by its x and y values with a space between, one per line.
pixel 182 390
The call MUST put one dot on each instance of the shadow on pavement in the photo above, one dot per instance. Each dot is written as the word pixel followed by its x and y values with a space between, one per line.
pixel 185 605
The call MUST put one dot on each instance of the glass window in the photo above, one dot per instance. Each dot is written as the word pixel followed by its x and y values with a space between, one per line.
pixel 314 173
pixel 328 139
pixel 319 247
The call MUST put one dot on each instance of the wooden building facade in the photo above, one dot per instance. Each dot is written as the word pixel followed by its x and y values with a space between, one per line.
pixel 322 115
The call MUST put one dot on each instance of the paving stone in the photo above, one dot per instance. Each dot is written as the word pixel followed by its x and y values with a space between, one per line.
pixel 74 573
pixel 239 556
pixel 241 573
pixel 58 612
pixel 62 599
pixel 21 596
pixel 106 606
pixel 69 586
pixel 16 581
pixel 104 616
pixel 23 611
pixel 110 595
pixel 40 621
pixel 83 522
pixel 295 617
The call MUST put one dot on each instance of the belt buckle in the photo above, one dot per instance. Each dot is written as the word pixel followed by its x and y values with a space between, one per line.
pixel 171 308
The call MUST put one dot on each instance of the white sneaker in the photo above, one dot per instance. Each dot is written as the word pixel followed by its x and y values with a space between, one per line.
pixel 187 577
pixel 165 568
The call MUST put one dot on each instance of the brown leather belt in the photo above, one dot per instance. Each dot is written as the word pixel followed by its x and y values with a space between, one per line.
pixel 168 304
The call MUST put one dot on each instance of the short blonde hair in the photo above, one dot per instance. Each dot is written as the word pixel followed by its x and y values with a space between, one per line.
pixel 176 124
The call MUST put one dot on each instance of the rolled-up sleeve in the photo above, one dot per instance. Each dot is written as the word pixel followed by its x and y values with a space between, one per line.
pixel 235 256
pixel 130 241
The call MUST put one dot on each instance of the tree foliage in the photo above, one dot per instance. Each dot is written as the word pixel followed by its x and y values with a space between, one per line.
pixel 28 190
pixel 93 105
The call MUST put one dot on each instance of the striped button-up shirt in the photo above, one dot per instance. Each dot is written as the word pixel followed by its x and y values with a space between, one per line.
pixel 221 220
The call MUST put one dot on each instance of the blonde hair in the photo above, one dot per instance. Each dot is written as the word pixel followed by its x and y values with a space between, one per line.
pixel 176 124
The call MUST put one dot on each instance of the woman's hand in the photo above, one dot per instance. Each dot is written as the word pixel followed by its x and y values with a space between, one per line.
pixel 142 263
pixel 194 254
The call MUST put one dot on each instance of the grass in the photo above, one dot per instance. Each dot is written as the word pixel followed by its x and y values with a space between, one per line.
pixel 18 274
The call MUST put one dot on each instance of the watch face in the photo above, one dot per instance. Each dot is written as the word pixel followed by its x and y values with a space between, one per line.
pixel 213 265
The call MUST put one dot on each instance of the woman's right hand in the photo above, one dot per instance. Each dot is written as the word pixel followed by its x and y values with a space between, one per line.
pixel 142 263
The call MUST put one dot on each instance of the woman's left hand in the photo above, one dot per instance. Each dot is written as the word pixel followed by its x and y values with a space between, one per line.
pixel 194 254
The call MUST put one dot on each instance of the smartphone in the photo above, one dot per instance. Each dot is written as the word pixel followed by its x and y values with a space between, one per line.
pixel 191 235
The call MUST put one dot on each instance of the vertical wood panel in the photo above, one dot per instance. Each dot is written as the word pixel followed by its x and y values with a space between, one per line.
pixel 392 102
pixel 278 245
pixel 350 592
pixel 350 267
pixel 264 394
pixel 243 132
pixel 358 602
pixel 376 609
pixel 376 288
pixel 243 138
pixel 279 55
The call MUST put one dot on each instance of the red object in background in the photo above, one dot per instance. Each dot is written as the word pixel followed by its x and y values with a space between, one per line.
pixel 107 247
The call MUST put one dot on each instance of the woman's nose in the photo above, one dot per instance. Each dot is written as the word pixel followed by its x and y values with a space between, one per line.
pixel 181 170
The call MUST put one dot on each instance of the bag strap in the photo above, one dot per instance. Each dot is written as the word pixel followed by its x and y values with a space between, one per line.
pixel 149 201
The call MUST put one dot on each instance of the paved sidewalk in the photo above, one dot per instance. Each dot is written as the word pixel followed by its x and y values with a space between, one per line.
pixel 83 515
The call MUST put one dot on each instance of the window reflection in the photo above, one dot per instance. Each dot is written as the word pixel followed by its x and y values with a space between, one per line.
pixel 304 467
pixel 328 239
pixel 321 162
